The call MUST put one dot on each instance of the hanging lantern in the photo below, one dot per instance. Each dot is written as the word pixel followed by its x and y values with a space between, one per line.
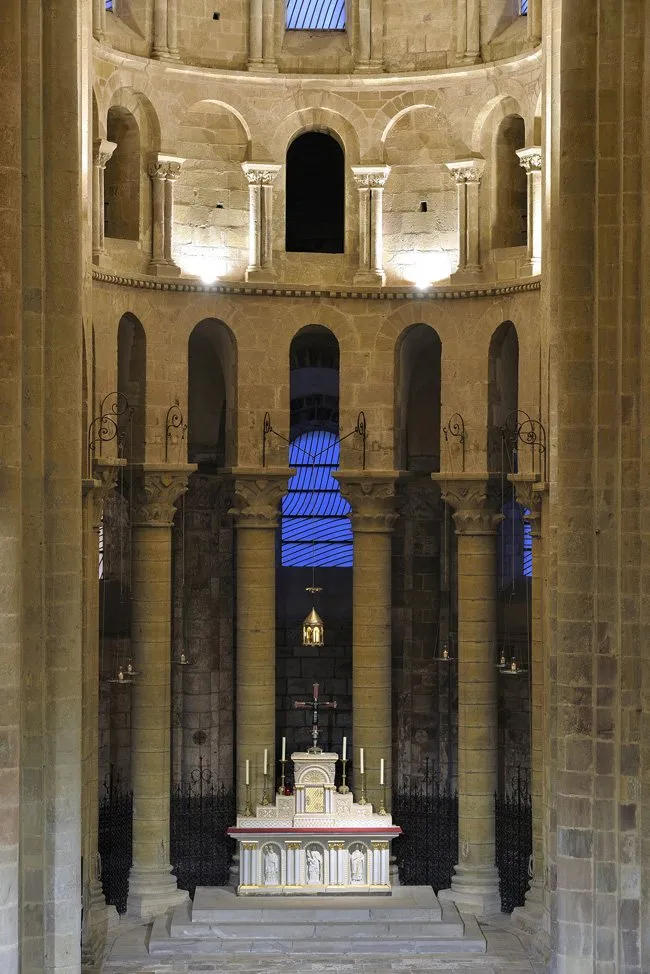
pixel 313 630
pixel 122 677
pixel 502 661
pixel 130 669
pixel 183 659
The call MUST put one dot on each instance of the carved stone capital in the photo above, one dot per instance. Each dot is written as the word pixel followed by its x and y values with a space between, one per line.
pixel 371 495
pixel 530 491
pixel 474 499
pixel 370 177
pixel 260 173
pixel 256 495
pixel 210 492
pixel 166 167
pixel 155 492
pixel 418 499
pixel 102 151
pixel 530 158
pixel 466 170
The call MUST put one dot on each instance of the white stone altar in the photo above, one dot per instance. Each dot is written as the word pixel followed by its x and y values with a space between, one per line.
pixel 316 841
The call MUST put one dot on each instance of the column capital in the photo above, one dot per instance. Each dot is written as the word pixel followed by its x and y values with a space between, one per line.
pixel 155 492
pixel 102 151
pixel 370 177
pixel 474 499
pixel 256 494
pixel 467 170
pixel 530 158
pixel 530 491
pixel 165 166
pixel 260 173
pixel 371 495
pixel 418 498
pixel 103 480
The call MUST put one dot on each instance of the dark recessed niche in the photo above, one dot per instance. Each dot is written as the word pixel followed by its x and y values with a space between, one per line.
pixel 216 15
pixel 219 206
pixel 423 206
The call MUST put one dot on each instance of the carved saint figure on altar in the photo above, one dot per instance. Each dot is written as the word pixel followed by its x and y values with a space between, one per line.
pixel 314 866
pixel 356 866
pixel 271 867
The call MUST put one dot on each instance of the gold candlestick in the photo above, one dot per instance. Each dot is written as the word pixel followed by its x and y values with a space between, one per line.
pixel 362 800
pixel 248 811
pixel 343 788
pixel 281 786
pixel 265 795
pixel 382 806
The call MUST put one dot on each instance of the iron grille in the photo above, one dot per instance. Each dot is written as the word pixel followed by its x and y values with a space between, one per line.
pixel 427 811
pixel 513 831
pixel 115 840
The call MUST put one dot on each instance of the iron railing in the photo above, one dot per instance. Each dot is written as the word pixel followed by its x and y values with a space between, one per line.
pixel 115 843
pixel 513 831
pixel 427 811
pixel 201 811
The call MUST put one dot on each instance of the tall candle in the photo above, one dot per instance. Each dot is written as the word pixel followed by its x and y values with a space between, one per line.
pixel 284 749
pixel 266 759
pixel 315 691
pixel 247 772
pixel 381 771
pixel 361 760
pixel 345 748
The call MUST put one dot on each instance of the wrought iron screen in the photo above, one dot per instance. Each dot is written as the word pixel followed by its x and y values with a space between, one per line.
pixel 315 14
pixel 201 811
pixel 513 830
pixel 427 811
pixel 115 840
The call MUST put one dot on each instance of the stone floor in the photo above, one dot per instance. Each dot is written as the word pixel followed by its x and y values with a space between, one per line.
pixel 507 953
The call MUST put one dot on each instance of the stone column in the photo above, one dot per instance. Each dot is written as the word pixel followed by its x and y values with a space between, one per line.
pixel 370 45
pixel 534 22
pixel 529 494
pixel 370 181
pixel 99 20
pixel 102 152
pixel 164 173
pixel 468 46
pixel 260 177
pixel 257 496
pixel 475 885
pixel 467 173
pixel 372 496
pixel 530 159
pixel 97 917
pixel 255 35
pixel 11 567
pixel 152 888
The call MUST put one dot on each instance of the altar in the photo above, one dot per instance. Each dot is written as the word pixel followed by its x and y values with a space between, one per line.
pixel 317 841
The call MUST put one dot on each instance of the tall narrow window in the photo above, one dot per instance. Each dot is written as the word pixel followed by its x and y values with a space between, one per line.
pixel 315 195
pixel 524 7
pixel 316 529
pixel 315 14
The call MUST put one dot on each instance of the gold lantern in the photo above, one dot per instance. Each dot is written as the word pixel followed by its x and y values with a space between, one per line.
pixel 313 630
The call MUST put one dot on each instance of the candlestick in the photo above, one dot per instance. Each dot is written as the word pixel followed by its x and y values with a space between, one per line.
pixel 284 749
pixel 281 787
pixel 361 760
pixel 248 778
pixel 345 749
pixel 382 806
pixel 265 794
pixel 381 771
pixel 266 760
pixel 316 691
pixel 343 788
pixel 248 811
pixel 362 800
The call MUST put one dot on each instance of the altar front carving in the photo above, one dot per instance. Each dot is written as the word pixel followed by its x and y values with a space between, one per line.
pixel 316 841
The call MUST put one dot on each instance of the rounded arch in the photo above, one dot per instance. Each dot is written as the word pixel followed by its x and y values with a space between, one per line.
pixel 503 396
pixel 142 109
pixel 209 106
pixel 122 175
pixel 132 386
pixel 315 194
pixel 212 395
pixel 314 362
pixel 488 118
pixel 417 377
pixel 422 133
pixel 320 119
pixel 509 187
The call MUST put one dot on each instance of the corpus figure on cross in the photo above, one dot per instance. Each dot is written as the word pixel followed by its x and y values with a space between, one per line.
pixel 314 704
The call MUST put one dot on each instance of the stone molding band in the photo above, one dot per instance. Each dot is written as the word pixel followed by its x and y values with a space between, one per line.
pixel 367 294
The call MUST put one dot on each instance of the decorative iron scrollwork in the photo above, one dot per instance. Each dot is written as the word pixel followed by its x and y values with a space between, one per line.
pixel 455 428
pixel 359 430
pixel 115 416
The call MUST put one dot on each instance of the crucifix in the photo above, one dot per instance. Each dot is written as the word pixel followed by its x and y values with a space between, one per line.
pixel 314 704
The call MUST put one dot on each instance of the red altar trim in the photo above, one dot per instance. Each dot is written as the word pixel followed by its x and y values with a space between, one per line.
pixel 390 830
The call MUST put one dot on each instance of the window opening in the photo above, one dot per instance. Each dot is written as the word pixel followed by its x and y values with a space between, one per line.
pixel 108 4
pixel 316 528
pixel 315 14
pixel 524 7
pixel 315 195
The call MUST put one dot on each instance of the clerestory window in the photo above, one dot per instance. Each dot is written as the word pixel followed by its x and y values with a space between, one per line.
pixel 315 14
pixel 316 528
pixel 523 9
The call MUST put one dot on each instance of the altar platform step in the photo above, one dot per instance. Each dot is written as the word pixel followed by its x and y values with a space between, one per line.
pixel 412 920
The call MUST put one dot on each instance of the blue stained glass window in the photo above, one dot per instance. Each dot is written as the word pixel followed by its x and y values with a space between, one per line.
pixel 524 7
pixel 528 548
pixel 315 14
pixel 108 4
pixel 316 529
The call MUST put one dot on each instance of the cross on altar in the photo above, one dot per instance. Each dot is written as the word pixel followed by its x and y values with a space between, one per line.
pixel 314 704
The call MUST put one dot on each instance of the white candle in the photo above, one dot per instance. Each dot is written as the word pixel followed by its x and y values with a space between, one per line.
pixel 361 760
pixel 381 771
pixel 247 772
pixel 284 749
pixel 266 759
pixel 345 748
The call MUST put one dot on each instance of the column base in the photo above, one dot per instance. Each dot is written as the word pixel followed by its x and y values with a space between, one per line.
pixel 471 274
pixel 152 892
pixel 100 258
pixel 262 66
pixel 531 919
pixel 261 275
pixel 530 268
pixel 474 890
pixel 468 59
pixel 99 918
pixel 369 67
pixel 372 278
pixel 163 268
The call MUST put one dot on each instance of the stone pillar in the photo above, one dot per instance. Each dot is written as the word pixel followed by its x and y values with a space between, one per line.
pixel 99 20
pixel 261 36
pixel 468 45
pixel 475 885
pixel 370 181
pixel 467 173
pixel 529 495
pixel 97 917
pixel 11 344
pixel 530 159
pixel 165 31
pixel 372 496
pixel 260 177
pixel 152 888
pixel 102 152
pixel 534 22
pixel 370 44
pixel 257 496
pixel 164 173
